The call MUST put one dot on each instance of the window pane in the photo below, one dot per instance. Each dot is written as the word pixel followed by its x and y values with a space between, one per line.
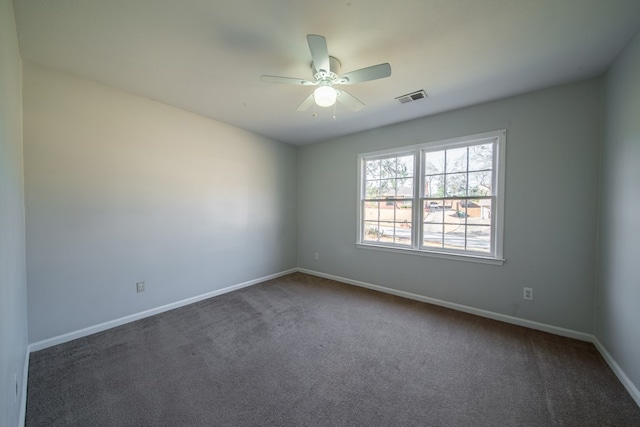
pixel 479 238
pixel 404 188
pixel 456 213
pixel 456 160
pixel 403 235
pixel 403 227
pixel 454 238
pixel 434 162
pixel 372 168
pixel 456 185
pixel 386 231
pixel 433 210
pixel 372 232
pixel 405 164
pixel 480 157
pixel 387 188
pixel 434 186
pixel 372 211
pixel 432 235
pixel 480 183
pixel 372 190
pixel 432 216
pixel 479 211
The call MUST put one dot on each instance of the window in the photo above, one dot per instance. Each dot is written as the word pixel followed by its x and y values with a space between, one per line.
pixel 387 202
pixel 442 198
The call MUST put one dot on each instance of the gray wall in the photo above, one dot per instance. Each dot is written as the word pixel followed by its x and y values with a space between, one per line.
pixel 618 296
pixel 13 292
pixel 121 189
pixel 550 213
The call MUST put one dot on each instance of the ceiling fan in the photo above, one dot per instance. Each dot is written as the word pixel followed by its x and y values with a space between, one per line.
pixel 326 74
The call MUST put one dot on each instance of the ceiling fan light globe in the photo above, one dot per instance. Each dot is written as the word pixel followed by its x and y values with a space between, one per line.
pixel 325 96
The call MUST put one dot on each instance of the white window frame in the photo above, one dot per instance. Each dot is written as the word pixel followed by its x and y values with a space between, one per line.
pixel 496 255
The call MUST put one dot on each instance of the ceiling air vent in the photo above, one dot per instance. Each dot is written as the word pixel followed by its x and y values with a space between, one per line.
pixel 410 97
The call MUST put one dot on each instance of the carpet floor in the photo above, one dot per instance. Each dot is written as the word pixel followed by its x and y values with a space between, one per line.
pixel 305 351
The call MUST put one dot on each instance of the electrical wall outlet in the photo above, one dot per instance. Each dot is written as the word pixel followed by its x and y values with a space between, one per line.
pixel 316 256
pixel 140 286
pixel 527 293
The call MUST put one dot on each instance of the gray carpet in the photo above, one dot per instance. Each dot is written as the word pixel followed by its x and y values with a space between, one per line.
pixel 305 351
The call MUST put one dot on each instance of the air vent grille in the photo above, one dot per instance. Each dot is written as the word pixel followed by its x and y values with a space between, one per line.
pixel 410 97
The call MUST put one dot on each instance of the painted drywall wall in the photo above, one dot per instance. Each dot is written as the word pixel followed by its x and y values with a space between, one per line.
pixel 550 208
pixel 13 290
pixel 121 189
pixel 618 296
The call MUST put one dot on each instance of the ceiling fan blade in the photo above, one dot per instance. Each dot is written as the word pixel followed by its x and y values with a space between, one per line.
pixel 349 100
pixel 308 101
pixel 366 74
pixel 319 52
pixel 287 80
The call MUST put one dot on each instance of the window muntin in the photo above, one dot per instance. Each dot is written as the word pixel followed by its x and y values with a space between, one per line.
pixel 444 197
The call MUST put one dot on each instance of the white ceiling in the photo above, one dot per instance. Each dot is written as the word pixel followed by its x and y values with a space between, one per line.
pixel 206 56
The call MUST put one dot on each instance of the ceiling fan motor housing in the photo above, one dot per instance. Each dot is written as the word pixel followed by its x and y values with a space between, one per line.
pixel 329 77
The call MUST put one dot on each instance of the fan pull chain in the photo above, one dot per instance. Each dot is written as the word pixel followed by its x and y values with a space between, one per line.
pixel 334 110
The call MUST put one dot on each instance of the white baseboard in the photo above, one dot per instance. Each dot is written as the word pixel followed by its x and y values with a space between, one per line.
pixel 459 307
pixel 50 342
pixel 622 376
pixel 23 395
pixel 40 345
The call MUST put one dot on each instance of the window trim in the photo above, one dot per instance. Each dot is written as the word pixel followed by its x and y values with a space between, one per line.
pixel 418 150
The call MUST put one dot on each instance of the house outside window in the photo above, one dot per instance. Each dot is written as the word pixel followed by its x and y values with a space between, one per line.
pixel 442 198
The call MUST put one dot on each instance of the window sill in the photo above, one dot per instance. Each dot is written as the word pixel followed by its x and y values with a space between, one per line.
pixel 442 255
